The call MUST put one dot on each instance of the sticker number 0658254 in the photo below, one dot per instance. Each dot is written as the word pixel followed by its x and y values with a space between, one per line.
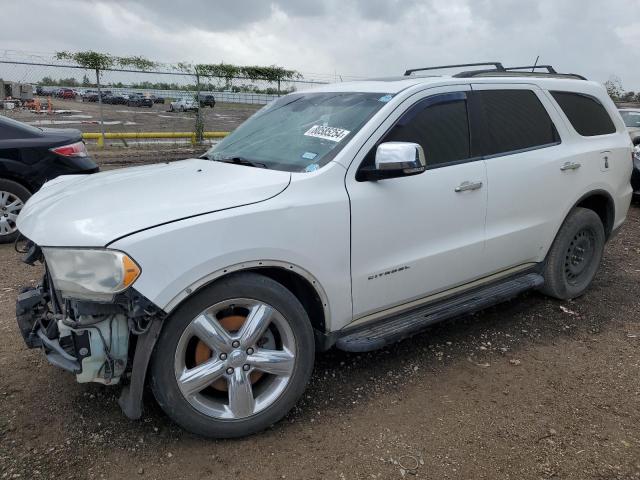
pixel 327 133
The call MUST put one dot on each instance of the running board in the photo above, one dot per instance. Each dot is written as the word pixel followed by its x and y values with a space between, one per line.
pixel 399 327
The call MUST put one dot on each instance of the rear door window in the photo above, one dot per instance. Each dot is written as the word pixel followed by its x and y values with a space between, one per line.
pixel 512 120
pixel 587 115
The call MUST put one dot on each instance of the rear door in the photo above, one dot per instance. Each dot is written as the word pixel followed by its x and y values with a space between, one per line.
pixel 529 171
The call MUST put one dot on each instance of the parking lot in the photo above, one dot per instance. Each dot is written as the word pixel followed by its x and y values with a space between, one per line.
pixel 531 389
pixel 84 116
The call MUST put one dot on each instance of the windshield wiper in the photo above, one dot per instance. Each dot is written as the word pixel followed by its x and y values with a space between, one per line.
pixel 242 161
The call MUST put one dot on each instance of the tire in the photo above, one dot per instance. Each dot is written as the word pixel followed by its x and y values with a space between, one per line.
pixel 10 193
pixel 575 255
pixel 205 412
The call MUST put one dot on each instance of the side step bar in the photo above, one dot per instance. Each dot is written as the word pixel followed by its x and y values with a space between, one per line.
pixel 399 327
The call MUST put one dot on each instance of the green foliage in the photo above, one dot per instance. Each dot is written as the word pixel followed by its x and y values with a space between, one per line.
pixel 103 61
pixel 62 82
pixel 229 71
pixel 618 93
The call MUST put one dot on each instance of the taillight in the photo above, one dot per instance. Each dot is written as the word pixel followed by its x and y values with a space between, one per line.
pixel 72 150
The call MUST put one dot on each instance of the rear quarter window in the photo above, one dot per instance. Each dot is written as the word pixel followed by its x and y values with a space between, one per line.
pixel 587 115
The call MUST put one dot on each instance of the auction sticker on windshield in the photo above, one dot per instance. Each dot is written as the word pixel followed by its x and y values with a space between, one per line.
pixel 327 133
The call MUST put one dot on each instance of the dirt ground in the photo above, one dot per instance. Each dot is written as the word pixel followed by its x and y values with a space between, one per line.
pixel 531 389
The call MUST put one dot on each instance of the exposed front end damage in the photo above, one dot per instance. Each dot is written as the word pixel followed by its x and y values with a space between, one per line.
pixel 96 341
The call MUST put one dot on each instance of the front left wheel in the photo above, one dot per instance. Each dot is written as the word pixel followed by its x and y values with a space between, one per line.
pixel 233 359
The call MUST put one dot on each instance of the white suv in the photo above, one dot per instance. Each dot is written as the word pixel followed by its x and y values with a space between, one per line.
pixel 351 215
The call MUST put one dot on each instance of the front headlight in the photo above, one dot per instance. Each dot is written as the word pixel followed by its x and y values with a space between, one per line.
pixel 90 274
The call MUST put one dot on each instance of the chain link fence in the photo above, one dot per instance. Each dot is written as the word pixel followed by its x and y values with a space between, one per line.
pixel 43 91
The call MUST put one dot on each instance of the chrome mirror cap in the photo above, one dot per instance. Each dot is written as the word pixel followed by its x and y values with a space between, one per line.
pixel 400 156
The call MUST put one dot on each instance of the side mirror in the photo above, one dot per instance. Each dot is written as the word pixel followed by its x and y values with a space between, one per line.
pixel 395 159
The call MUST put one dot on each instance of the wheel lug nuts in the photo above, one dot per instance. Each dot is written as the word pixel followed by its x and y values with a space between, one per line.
pixel 229 370
pixel 223 356
pixel 249 351
pixel 235 344
pixel 246 367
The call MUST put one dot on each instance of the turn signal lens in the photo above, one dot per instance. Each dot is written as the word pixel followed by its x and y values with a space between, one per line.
pixel 131 271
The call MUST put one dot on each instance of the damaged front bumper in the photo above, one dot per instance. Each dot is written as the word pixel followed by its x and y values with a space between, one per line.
pixel 108 343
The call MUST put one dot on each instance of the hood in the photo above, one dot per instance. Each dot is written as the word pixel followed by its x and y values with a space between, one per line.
pixel 93 210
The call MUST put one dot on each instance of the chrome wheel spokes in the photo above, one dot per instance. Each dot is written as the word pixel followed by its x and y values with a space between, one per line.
pixel 235 358
pixel 10 207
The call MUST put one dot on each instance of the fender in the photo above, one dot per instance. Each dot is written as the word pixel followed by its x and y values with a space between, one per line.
pixel 251 265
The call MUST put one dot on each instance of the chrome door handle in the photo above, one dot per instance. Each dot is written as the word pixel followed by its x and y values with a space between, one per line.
pixel 465 186
pixel 570 166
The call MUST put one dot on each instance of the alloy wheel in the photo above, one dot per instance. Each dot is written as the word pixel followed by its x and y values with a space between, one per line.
pixel 10 206
pixel 235 359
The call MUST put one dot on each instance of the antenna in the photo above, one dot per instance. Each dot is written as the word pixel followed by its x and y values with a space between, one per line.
pixel 535 64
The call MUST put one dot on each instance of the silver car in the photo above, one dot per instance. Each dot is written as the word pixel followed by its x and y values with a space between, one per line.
pixel 183 105
pixel 631 117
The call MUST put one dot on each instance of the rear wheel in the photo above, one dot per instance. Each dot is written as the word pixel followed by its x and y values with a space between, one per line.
pixel 234 359
pixel 575 255
pixel 12 198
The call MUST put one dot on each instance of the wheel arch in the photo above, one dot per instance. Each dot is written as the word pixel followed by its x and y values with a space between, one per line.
pixel 304 286
pixel 17 179
pixel 601 202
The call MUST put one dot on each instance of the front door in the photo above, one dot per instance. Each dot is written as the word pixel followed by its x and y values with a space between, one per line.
pixel 418 235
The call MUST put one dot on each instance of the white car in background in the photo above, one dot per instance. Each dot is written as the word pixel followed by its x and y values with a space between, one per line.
pixel 351 216
pixel 183 105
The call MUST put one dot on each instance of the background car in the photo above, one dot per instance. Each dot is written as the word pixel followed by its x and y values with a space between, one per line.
pixel 183 105
pixel 156 99
pixel 66 93
pixel 207 101
pixel 631 117
pixel 29 157
pixel 139 100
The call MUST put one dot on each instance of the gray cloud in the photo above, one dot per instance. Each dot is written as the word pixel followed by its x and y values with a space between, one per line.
pixel 358 37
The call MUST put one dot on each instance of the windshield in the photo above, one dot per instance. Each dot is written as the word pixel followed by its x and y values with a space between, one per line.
pixel 631 118
pixel 299 132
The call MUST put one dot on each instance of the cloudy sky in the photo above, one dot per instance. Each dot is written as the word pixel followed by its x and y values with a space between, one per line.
pixel 597 38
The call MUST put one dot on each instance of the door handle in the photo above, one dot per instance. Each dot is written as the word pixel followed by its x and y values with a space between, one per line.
pixel 570 166
pixel 466 186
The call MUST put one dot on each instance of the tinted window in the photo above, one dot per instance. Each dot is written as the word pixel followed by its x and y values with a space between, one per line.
pixel 440 125
pixel 586 114
pixel 514 120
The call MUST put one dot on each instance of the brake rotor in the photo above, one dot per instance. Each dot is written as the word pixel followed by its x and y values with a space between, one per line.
pixel 232 324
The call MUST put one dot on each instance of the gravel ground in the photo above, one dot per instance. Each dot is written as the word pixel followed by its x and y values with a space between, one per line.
pixel 531 389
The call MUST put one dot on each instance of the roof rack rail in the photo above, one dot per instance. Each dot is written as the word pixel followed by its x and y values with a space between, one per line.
pixel 500 71
pixel 498 67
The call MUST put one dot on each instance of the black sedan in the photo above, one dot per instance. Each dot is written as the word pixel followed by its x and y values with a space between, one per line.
pixel 29 157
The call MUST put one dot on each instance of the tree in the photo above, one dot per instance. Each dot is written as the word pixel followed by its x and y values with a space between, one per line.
pixel 614 87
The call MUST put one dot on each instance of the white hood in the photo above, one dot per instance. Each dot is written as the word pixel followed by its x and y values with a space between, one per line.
pixel 93 210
